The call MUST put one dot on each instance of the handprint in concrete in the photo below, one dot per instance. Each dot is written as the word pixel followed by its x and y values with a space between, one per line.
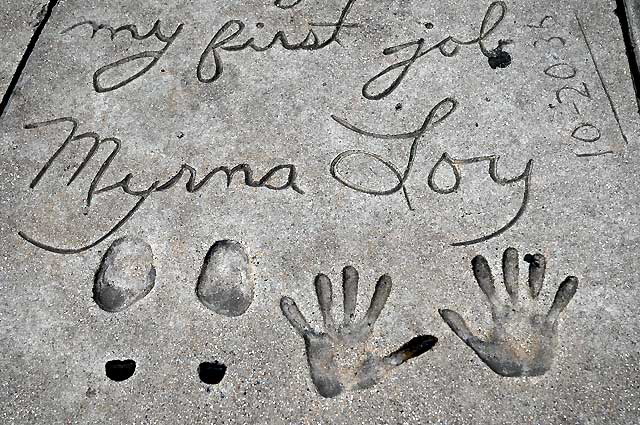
pixel 338 357
pixel 522 341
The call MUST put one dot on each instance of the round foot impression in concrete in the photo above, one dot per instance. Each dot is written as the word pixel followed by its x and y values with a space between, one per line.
pixel 225 285
pixel 126 275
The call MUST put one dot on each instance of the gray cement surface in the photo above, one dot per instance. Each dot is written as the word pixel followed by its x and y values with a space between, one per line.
pixel 400 137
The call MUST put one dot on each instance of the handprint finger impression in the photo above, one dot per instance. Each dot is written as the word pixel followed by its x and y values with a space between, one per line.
pixel 522 341
pixel 338 357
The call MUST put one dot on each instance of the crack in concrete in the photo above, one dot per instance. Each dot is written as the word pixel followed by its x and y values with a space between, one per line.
pixel 625 13
pixel 41 23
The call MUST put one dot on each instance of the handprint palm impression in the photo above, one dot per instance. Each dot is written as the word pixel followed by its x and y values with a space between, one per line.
pixel 338 357
pixel 523 341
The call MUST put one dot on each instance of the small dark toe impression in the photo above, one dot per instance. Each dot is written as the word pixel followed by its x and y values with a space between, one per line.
pixel 211 373
pixel 120 370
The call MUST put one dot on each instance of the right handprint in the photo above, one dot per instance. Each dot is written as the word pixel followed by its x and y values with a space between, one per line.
pixel 522 341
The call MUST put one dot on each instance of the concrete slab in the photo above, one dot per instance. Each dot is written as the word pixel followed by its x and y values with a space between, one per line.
pixel 305 188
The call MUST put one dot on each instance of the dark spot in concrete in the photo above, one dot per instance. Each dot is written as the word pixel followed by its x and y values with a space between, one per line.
pixel 120 370
pixel 260 25
pixel 500 58
pixel 428 25
pixel 211 373
pixel 531 259
pixel 398 106
pixel 90 392
pixel 180 135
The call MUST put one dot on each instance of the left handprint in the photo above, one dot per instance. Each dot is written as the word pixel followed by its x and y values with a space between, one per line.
pixel 338 358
